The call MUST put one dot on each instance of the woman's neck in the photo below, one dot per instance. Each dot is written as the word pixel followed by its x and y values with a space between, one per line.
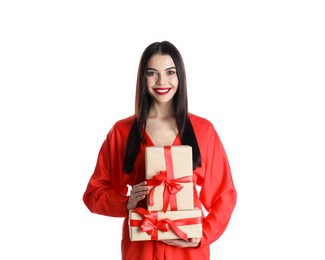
pixel 160 110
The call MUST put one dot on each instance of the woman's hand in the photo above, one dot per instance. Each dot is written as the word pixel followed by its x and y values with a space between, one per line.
pixel 138 192
pixel 193 242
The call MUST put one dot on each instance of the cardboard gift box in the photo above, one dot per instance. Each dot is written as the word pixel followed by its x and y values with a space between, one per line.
pixel 157 225
pixel 169 170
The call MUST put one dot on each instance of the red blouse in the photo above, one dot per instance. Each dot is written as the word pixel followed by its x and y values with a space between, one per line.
pixel 106 192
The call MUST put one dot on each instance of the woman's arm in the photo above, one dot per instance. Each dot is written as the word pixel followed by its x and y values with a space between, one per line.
pixel 218 194
pixel 107 187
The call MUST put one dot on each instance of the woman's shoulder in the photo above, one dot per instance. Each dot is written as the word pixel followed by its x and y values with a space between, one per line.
pixel 124 123
pixel 198 121
pixel 203 128
pixel 122 126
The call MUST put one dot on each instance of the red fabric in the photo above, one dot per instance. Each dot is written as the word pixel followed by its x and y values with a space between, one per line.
pixel 107 189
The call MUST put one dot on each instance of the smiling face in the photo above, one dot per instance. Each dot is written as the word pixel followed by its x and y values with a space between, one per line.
pixel 162 80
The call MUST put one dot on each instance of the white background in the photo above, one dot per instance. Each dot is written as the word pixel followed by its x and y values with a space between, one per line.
pixel 67 73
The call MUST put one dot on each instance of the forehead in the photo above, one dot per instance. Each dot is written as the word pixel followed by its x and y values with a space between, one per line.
pixel 160 61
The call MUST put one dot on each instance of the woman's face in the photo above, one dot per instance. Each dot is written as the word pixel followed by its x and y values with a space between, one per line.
pixel 162 80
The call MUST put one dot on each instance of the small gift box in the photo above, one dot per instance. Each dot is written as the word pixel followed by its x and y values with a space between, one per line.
pixel 169 170
pixel 182 224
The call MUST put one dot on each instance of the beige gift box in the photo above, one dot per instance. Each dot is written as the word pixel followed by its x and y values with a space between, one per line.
pixel 145 225
pixel 176 163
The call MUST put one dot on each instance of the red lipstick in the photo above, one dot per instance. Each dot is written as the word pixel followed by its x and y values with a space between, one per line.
pixel 162 91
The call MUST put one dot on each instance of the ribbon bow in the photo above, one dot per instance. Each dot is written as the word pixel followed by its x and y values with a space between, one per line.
pixel 171 187
pixel 150 224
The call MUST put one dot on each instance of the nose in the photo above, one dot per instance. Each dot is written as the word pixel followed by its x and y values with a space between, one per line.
pixel 161 80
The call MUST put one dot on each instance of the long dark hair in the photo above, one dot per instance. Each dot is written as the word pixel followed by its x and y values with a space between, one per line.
pixel 143 101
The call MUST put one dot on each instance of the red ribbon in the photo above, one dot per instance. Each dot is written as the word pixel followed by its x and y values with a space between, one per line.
pixel 171 188
pixel 171 185
pixel 150 224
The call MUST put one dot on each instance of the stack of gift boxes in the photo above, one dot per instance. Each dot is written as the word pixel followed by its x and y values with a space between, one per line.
pixel 170 212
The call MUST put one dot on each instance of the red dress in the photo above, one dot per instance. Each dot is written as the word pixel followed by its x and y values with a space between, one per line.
pixel 107 189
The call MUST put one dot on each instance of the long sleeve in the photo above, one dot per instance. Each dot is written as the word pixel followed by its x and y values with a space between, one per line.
pixel 105 194
pixel 218 194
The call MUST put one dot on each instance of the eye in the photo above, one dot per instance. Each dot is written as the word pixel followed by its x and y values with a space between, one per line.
pixel 151 73
pixel 171 72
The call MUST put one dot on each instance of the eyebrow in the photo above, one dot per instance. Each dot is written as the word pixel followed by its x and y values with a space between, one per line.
pixel 165 69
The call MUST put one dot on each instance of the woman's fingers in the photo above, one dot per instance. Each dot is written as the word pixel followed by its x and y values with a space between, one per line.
pixel 140 188
pixel 138 192
pixel 193 242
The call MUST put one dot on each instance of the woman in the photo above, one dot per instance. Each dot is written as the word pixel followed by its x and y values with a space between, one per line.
pixel 162 119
